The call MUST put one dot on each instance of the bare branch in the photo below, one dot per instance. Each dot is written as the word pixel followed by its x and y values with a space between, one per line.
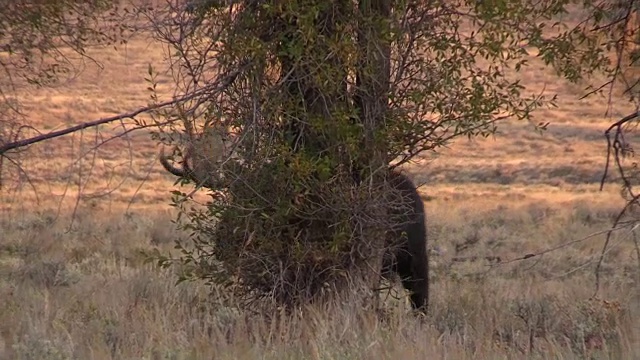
pixel 617 145
pixel 211 90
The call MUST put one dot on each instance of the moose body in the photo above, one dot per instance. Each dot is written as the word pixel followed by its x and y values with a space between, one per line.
pixel 406 243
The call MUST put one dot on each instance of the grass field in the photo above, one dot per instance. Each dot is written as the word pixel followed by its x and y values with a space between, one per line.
pixel 73 282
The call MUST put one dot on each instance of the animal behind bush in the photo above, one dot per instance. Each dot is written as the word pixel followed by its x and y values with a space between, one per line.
pixel 405 244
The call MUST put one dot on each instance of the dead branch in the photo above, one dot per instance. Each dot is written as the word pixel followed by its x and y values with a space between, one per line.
pixel 618 148
pixel 618 145
pixel 215 88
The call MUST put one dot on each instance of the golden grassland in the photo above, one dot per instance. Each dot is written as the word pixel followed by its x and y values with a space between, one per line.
pixel 84 292
pixel 74 284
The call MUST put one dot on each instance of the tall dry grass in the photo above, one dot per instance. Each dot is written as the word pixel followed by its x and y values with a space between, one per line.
pixel 82 290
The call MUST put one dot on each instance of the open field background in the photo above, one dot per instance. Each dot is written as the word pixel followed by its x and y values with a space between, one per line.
pixel 77 286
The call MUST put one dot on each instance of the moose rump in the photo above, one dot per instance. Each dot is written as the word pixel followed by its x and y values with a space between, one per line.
pixel 406 253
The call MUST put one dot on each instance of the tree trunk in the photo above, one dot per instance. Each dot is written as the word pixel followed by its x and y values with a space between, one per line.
pixel 372 82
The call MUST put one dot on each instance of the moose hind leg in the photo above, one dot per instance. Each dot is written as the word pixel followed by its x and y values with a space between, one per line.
pixel 415 279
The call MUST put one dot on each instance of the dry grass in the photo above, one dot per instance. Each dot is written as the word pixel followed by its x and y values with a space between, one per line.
pixel 126 171
pixel 82 290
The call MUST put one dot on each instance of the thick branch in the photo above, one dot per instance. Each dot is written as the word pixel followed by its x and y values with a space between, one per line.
pixel 215 88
